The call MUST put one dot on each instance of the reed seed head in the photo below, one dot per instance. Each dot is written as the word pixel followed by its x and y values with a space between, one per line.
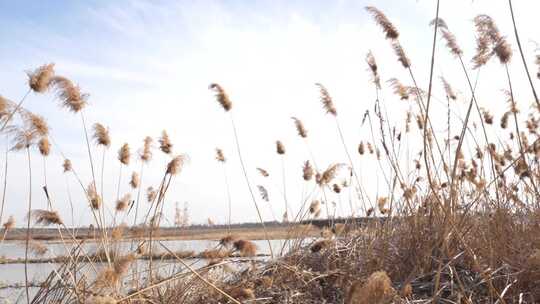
pixel 221 96
pixel 176 165
pixel 280 148
pixel 10 223
pixel 93 196
pixel 263 192
pixel 326 100
pixel 123 202
pixel 39 80
pixel 388 28
pixel 38 248
pixel 400 53
pixel 448 89
pixel 399 89
pixel 146 152
pixel 101 135
pixel 151 194
pixel 36 123
pixel 165 144
pixel 66 165
pixel 44 146
pixel 372 64
pixel 361 148
pixel 124 154
pixel 245 247
pixel 300 127
pixel 135 180
pixel 263 172
pixel 220 157
pixel 45 217
pixel 307 171
pixel 69 94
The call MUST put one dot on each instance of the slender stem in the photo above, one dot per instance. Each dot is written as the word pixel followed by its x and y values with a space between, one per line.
pixel 138 194
pixel 286 214
pixel 521 53
pixel 28 225
pixel 428 103
pixel 228 195
pixel 5 179
pixel 249 185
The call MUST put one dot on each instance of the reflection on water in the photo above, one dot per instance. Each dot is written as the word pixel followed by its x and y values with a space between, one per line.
pixel 11 274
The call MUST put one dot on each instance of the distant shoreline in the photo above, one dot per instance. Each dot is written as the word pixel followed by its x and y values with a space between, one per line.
pixel 172 233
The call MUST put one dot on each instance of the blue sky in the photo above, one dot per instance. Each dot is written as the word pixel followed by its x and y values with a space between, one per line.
pixel 147 65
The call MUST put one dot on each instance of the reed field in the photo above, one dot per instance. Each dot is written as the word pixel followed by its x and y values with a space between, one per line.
pixel 458 220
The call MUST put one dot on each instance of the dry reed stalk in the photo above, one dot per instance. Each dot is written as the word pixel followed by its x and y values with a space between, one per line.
pixel 226 103
pixel 220 157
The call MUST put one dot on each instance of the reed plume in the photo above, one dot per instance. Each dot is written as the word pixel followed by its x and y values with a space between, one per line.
pixel 165 144
pixel 38 248
pixel 329 174
pixel 380 18
pixel 10 223
pixel 221 96
pixel 448 89
pixel 70 95
pixel 326 100
pixel 151 194
pixel 300 127
pixel 399 89
pixel 44 146
pixel 45 217
pixel 451 43
pixel 66 165
pixel 400 53
pixel 315 207
pixel 124 154
pixel 280 148
pixel 263 192
pixel 220 157
pixel 361 148
pixel 93 196
pixel 372 64
pixel 490 42
pixel 146 152
pixel 245 247
pixel 176 165
pixel 122 203
pixel 36 123
pixel 307 171
pixel 40 79
pixel 135 180
pixel 263 172
pixel 101 135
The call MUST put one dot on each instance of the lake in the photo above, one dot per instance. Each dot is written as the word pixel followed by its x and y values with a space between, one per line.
pixel 13 274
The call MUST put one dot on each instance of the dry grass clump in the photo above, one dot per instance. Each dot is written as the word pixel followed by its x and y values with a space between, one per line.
pixel 245 248
pixel 111 275
pixel 376 290
pixel 101 300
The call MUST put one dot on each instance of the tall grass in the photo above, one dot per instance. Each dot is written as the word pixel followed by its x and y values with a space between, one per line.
pixel 459 222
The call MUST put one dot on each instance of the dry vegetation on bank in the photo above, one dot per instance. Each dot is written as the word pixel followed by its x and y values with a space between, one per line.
pixel 463 226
